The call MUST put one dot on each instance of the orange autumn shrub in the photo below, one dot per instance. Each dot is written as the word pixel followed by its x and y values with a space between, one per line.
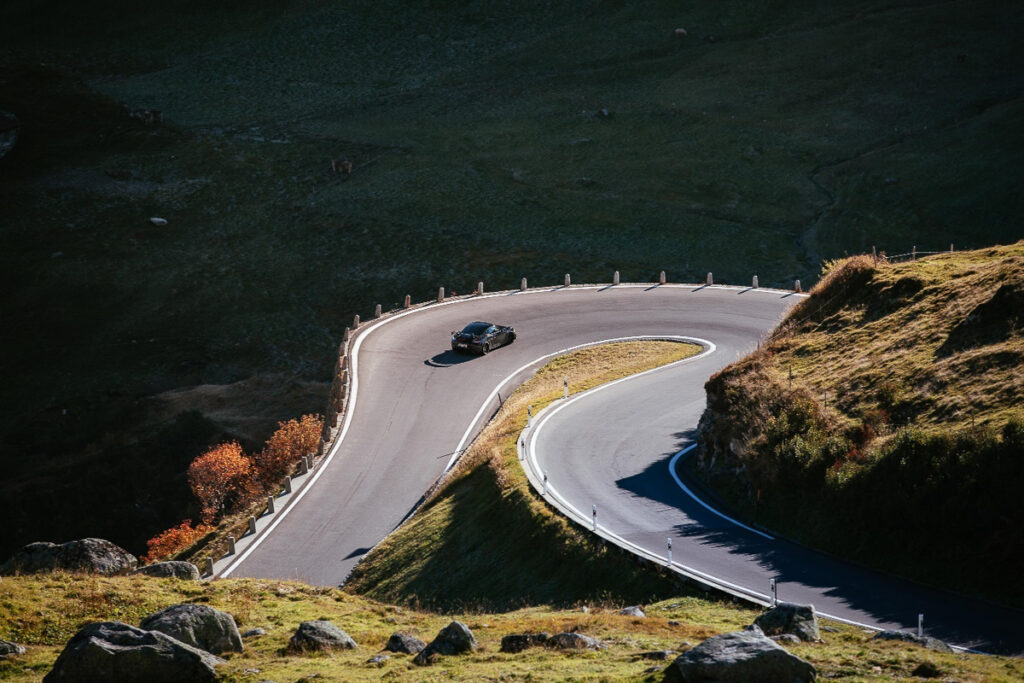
pixel 168 542
pixel 292 440
pixel 222 478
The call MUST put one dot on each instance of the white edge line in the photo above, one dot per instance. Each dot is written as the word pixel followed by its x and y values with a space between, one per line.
pixel 691 494
pixel 350 408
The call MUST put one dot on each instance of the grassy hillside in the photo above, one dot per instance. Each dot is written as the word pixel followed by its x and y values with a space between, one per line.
pixel 466 547
pixel 890 400
pixel 488 142
pixel 43 612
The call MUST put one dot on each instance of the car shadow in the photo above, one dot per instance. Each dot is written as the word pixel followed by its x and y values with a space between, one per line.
pixel 448 359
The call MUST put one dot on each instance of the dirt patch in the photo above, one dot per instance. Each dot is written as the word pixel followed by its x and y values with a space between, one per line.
pixel 249 409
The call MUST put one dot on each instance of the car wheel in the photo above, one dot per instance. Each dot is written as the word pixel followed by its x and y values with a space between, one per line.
pixel 484 348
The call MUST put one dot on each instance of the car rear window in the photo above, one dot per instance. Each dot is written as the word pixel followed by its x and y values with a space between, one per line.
pixel 476 328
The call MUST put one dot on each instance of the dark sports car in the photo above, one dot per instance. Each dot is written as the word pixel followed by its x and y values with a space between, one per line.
pixel 482 337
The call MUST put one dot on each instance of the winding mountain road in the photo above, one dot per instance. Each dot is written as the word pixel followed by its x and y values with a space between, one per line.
pixel 415 404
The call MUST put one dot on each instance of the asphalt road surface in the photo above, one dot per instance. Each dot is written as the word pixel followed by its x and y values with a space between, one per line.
pixel 416 399
pixel 415 403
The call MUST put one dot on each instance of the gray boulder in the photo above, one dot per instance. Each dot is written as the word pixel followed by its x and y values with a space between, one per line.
pixel 453 639
pixel 403 642
pixel 9 649
pixel 112 651
pixel 87 555
pixel 378 660
pixel 739 657
pixel 573 641
pixel 197 625
pixel 171 570
pixel 924 641
pixel 633 611
pixel 788 617
pixel 320 635
pixel 517 642
pixel 254 633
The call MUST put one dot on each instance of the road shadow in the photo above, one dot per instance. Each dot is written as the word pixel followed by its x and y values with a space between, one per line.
pixel 357 553
pixel 448 359
pixel 887 598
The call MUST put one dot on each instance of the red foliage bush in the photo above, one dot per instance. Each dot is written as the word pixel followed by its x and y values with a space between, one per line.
pixel 292 440
pixel 168 542
pixel 222 479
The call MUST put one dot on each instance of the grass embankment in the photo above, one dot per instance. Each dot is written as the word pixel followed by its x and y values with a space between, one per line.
pixel 899 441
pixel 489 141
pixel 44 611
pixel 485 541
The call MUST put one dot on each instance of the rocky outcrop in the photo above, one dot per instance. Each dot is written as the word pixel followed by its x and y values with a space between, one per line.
pixel 197 625
pixel 517 642
pixel 320 635
pixel 112 651
pixel 923 641
pixel 171 570
pixel 87 555
pixel 790 618
pixel 453 639
pixel 404 642
pixel 573 641
pixel 9 649
pixel 634 611
pixel 739 657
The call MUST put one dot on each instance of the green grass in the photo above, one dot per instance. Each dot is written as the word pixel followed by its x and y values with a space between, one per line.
pixel 44 611
pixel 904 408
pixel 768 138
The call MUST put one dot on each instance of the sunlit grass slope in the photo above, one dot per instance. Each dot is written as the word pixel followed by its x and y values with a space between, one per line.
pixel 885 419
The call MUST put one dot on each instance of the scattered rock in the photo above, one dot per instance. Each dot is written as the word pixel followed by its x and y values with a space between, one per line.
pixel 517 642
pixel 652 670
pixel 378 660
pixel 788 638
pixel 633 611
pixel 788 617
pixel 253 633
pixel 404 642
pixel 573 641
pixel 926 670
pixel 828 629
pixel 197 625
pixel 9 649
pixel 320 635
pixel 685 645
pixel 585 609
pixel 746 655
pixel 924 641
pixel 453 639
pixel 674 622
pixel 112 651
pixel 87 555
pixel 680 32
pixel 172 570
pixel 156 220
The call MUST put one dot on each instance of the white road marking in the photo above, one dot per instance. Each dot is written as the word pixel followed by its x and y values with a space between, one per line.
pixel 672 471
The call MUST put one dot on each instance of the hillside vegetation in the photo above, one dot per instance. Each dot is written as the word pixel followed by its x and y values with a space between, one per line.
pixel 489 141
pixel 44 611
pixel 884 420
